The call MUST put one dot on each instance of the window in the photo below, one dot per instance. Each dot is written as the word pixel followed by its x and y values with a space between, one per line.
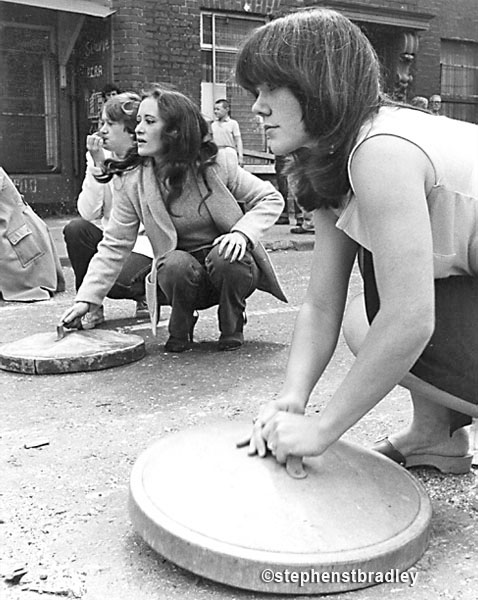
pixel 459 79
pixel 28 100
pixel 221 36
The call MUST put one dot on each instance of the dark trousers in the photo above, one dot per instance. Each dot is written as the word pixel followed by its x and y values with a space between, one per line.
pixel 82 239
pixel 282 186
pixel 450 359
pixel 194 281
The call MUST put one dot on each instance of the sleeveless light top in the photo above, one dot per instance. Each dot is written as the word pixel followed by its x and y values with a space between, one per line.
pixel 452 148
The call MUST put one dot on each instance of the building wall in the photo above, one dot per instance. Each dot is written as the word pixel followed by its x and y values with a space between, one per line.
pixel 40 186
pixel 454 20
pixel 427 63
pixel 160 40
pixel 157 42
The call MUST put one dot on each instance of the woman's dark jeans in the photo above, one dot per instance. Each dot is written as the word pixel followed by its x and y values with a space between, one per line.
pixel 82 239
pixel 194 281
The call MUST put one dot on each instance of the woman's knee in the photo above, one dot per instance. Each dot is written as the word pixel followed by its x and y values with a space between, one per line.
pixel 78 229
pixel 179 265
pixel 72 228
pixel 220 268
pixel 355 325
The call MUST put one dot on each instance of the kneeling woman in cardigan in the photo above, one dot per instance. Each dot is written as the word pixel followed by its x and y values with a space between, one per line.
pixel 187 193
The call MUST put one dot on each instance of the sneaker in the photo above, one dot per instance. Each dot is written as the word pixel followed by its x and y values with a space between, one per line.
pixel 93 318
pixel 142 309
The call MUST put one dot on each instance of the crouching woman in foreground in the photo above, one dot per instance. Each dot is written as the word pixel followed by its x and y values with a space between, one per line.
pixel 187 193
pixel 398 188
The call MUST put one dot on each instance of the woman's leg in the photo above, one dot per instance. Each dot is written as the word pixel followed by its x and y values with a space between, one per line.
pixel 180 277
pixel 81 239
pixel 429 431
pixel 130 282
pixel 234 283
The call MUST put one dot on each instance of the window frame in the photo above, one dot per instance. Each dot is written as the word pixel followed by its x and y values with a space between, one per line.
pixel 255 144
pixel 457 104
pixel 50 99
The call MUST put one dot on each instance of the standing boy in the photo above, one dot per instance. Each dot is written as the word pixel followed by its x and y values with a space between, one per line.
pixel 225 131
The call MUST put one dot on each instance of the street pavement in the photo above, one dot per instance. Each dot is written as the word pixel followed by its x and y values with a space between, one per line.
pixel 63 503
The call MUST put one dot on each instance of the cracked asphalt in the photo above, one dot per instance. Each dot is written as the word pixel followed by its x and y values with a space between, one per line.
pixel 64 525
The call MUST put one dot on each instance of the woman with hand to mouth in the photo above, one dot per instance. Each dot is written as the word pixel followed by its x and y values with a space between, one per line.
pixel 397 189
pixel 187 193
pixel 115 139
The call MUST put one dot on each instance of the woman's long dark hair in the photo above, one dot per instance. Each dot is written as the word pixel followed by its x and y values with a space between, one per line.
pixel 332 69
pixel 186 142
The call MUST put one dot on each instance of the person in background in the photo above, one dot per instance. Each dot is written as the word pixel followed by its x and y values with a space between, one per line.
pixel 434 104
pixel 283 188
pixel 114 139
pixel 303 218
pixel 225 131
pixel 304 222
pixel 187 193
pixel 398 189
pixel 419 102
pixel 110 90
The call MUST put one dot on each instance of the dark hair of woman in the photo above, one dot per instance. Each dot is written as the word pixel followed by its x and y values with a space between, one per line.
pixel 332 69
pixel 186 143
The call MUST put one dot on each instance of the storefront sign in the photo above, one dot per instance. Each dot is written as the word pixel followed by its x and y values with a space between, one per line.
pixel 26 185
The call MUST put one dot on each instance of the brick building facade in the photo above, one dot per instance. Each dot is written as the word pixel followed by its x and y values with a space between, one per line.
pixel 53 72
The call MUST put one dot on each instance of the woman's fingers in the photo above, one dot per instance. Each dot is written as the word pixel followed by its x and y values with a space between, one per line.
pixel 241 251
pixel 259 438
pixel 257 444
pixel 233 250
pixel 67 316
pixel 71 316
pixel 232 246
pixel 274 444
pixel 237 252
pixel 74 324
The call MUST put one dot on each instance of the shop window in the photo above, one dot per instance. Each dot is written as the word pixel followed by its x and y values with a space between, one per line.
pixel 221 36
pixel 459 79
pixel 28 100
